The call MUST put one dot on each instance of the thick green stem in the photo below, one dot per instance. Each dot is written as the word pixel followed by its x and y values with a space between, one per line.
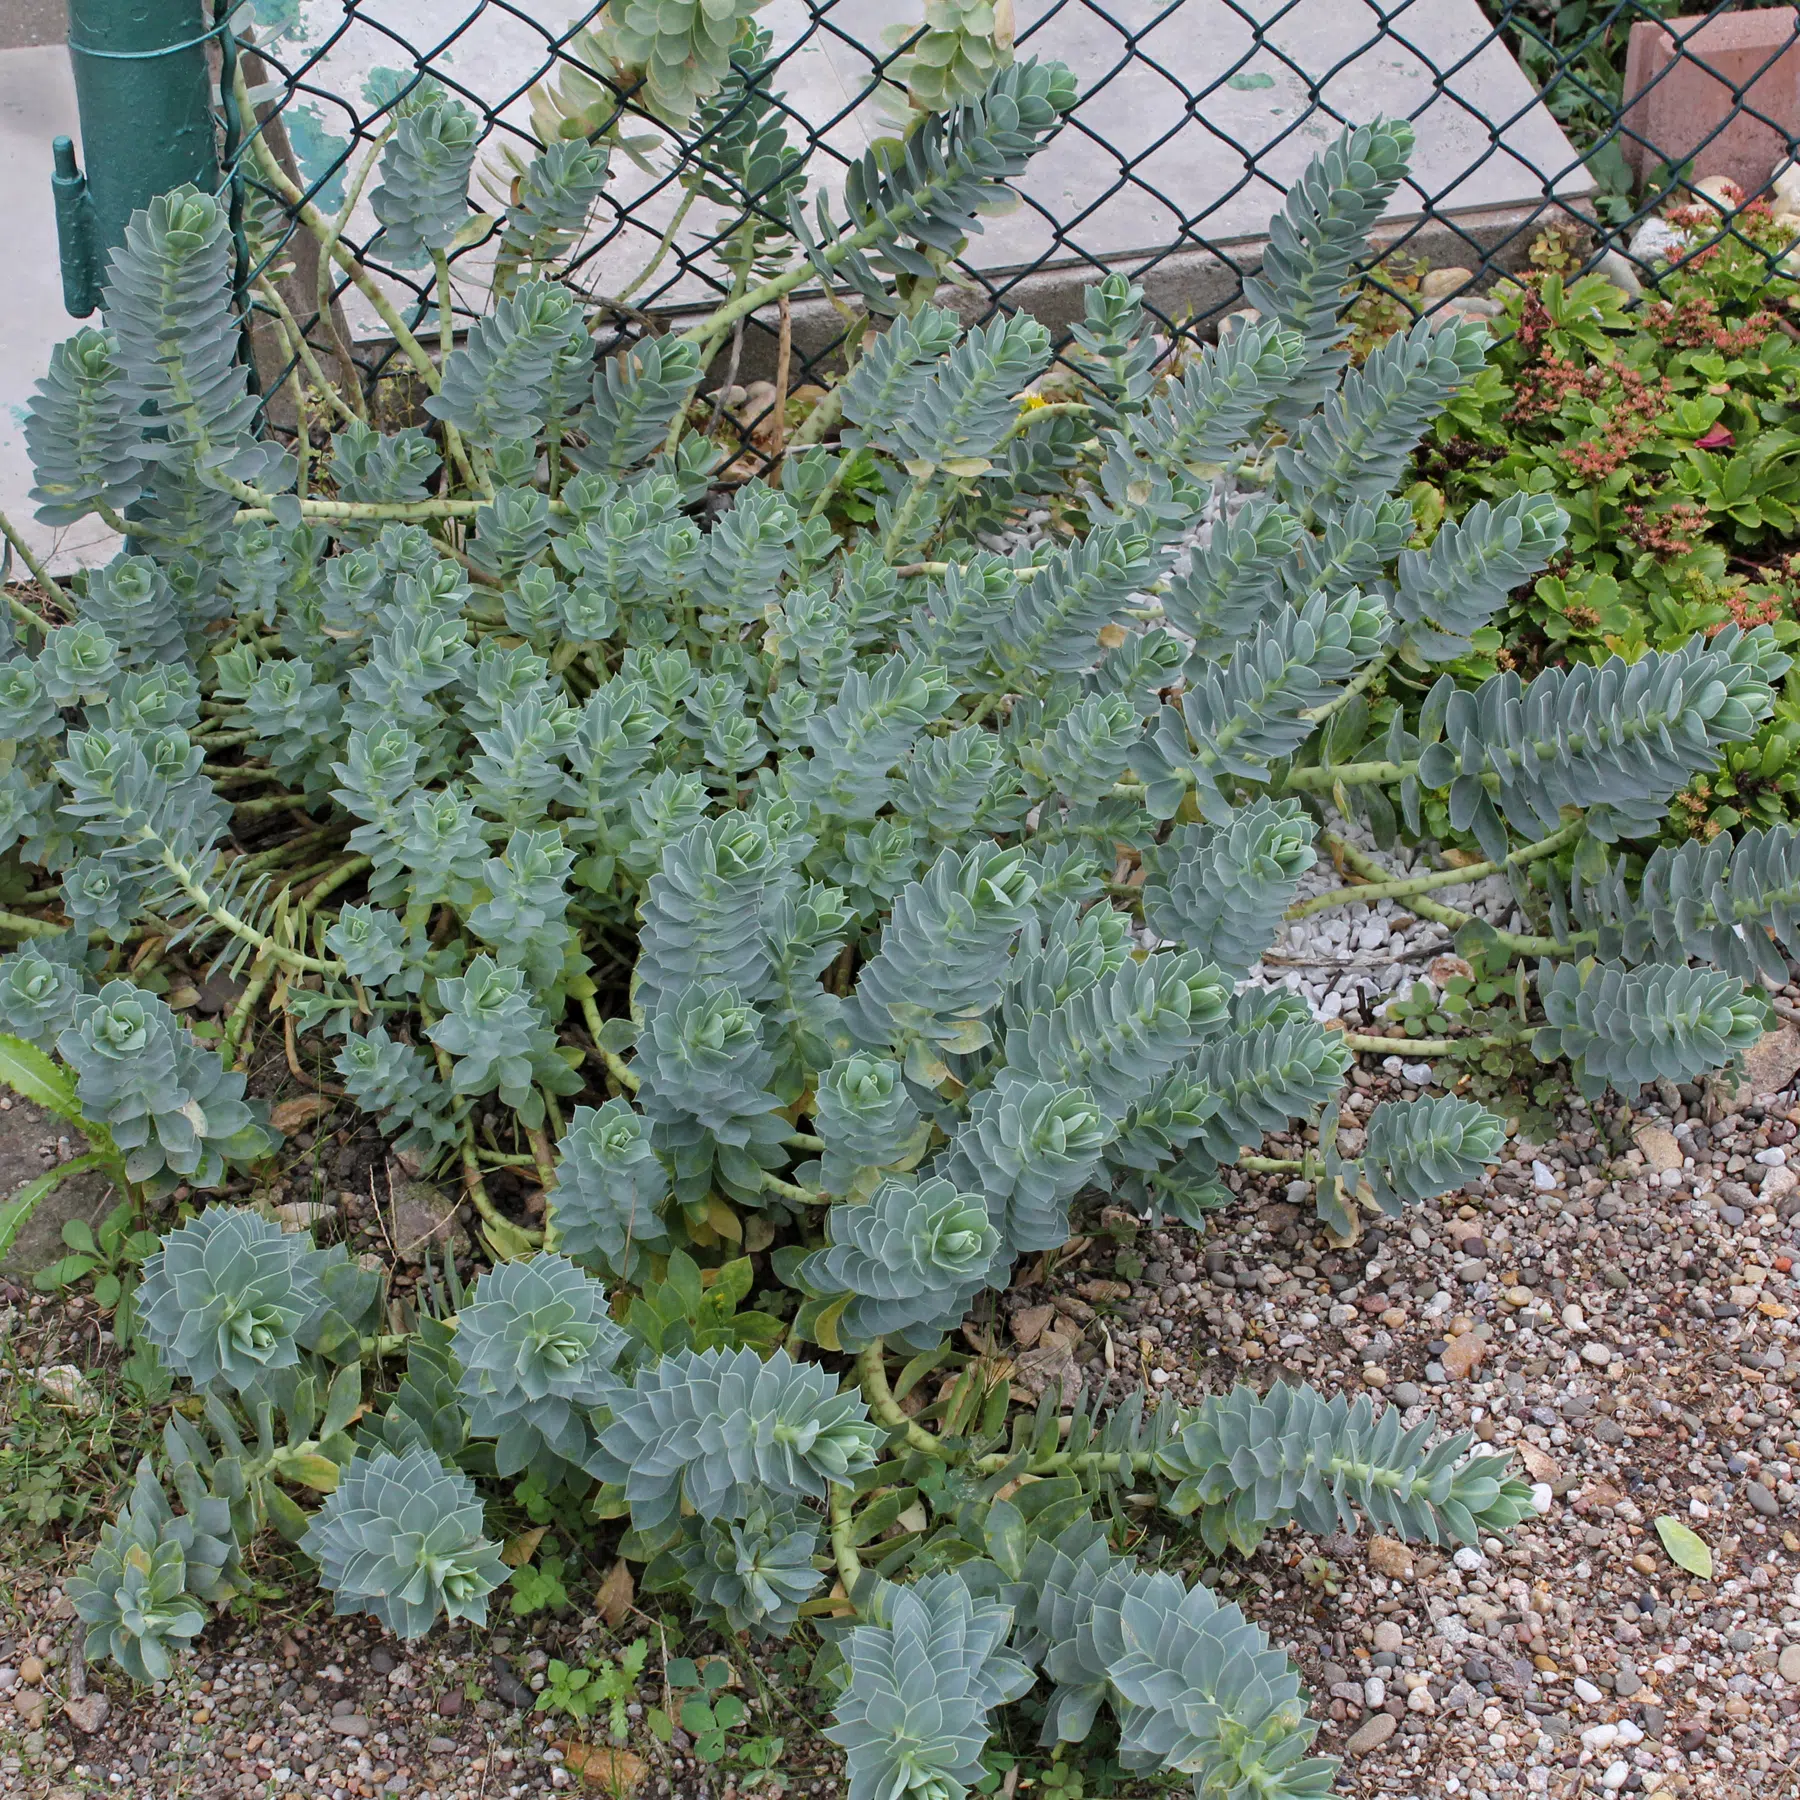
pixel 39 574
pixel 843 1534
pixel 271 171
pixel 788 1191
pixel 21 926
pixel 871 1377
pixel 1031 414
pixel 1382 886
pixel 663 247
pixel 1389 1046
pixel 257 507
pixel 820 420
pixel 296 962
pixel 270 295
pixel 262 972
pixel 613 1063
pixel 1328 776
pixel 1319 714
pixel 453 442
pixel 896 532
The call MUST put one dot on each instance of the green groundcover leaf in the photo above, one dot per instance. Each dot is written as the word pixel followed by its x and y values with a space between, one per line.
pixel 1686 1548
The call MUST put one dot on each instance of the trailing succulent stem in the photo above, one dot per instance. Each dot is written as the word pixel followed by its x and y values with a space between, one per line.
pixel 779 892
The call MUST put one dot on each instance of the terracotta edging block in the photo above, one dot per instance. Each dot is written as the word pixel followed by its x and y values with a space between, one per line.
pixel 1724 91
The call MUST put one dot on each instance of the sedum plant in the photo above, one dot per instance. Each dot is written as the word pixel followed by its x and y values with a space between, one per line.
pixel 787 887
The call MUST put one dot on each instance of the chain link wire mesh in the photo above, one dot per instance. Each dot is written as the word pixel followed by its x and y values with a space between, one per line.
pixel 1194 116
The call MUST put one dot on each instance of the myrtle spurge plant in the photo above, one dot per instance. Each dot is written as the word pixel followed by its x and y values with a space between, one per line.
pixel 849 908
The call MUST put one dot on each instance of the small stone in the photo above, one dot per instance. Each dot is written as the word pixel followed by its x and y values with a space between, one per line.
pixel 450 1703
pixel 31 1671
pixel 1462 1356
pixel 1372 1734
pixel 381 1660
pixel 1436 283
pixel 1620 273
pixel 1408 1393
pixel 1626 1682
pixel 349 1725
pixel 1374 1377
pixel 440 1746
pixel 1732 1216
pixel 1586 1692
pixel 87 1712
pixel 1760 1498
pixel 1387 1636
pixel 1656 237
pixel 1541 1497
pixel 1028 1324
pixel 1661 1150
pixel 1389 1557
pixel 1597 1354
pixel 1540 1465
pixel 508 1687
pixel 1518 1296
pixel 420 1215
pixel 1771 1063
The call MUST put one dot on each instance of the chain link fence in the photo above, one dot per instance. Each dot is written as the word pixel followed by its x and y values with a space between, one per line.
pixel 1194 116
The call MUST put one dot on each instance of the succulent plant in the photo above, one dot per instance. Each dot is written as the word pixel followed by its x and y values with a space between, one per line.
pixel 537 1352
pixel 142 1594
pixel 868 1120
pixel 794 834
pixel 752 1574
pixel 914 1716
pixel 422 198
pixel 400 1538
pixel 903 1264
pixel 679 51
pixel 171 1104
pixel 37 994
pixel 227 1296
pixel 707 1426
pixel 609 1184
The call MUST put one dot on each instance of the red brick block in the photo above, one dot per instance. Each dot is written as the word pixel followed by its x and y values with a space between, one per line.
pixel 1724 91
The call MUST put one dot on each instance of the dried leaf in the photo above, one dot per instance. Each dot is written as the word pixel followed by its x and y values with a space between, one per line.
pixel 616 1594
pixel 617 1771
pixel 1687 1549
pixel 296 1114
pixel 520 1550
pixel 64 1385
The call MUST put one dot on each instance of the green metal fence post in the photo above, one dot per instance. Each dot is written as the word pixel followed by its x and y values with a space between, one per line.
pixel 145 94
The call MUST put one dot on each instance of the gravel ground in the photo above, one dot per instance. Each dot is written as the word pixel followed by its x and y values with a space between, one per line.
pixel 1617 1304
